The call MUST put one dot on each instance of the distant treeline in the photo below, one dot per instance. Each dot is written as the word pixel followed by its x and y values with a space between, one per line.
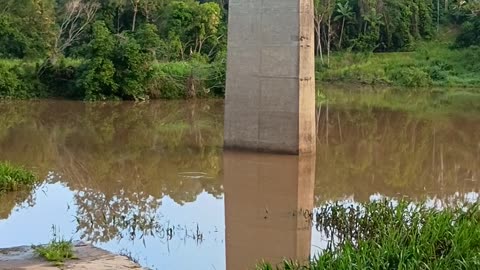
pixel 391 25
pixel 140 49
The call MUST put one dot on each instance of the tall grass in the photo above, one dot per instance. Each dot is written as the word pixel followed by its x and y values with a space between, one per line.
pixel 432 64
pixel 386 235
pixel 57 251
pixel 13 178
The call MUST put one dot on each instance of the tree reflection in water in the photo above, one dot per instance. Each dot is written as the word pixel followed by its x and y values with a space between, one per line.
pixel 121 159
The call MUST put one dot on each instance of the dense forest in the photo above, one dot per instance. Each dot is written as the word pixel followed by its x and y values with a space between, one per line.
pixel 143 49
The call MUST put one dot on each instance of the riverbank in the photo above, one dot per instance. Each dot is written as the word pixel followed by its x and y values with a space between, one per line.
pixel 432 64
pixel 435 68
pixel 395 235
pixel 21 79
pixel 87 257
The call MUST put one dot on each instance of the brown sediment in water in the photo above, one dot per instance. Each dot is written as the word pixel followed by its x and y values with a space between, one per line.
pixel 88 257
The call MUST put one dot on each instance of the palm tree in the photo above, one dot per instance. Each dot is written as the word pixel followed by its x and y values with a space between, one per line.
pixel 373 19
pixel 345 12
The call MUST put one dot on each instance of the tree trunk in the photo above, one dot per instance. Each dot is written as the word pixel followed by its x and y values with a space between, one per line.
pixel 319 39
pixel 118 20
pixel 329 38
pixel 341 34
pixel 135 11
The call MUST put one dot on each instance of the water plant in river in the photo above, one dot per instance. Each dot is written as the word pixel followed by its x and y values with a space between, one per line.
pixel 13 178
pixel 395 235
pixel 57 251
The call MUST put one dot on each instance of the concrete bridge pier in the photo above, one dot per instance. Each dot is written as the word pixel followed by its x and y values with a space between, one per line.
pixel 270 96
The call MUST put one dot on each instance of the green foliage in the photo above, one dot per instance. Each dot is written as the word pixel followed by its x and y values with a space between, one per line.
pixel 410 77
pixel 59 79
pixel 388 235
pixel 432 64
pixel 117 67
pixel 174 80
pixel 96 79
pixel 191 27
pixel 13 178
pixel 470 34
pixel 27 27
pixel 169 80
pixel 373 25
pixel 12 42
pixel 117 54
pixel 148 39
pixel 18 81
pixel 57 251
pixel 132 69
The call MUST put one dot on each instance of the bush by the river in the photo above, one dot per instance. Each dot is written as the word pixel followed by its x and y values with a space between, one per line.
pixel 432 64
pixel 13 178
pixel 388 235
pixel 80 79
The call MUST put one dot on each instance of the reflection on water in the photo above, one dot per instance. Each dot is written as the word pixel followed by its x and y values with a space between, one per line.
pixel 360 153
pixel 265 198
pixel 151 178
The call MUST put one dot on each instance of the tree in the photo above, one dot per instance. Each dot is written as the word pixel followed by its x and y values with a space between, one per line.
pixel 345 12
pixel 33 21
pixel 323 10
pixel 97 75
pixel 192 24
pixel 135 4
pixel 76 17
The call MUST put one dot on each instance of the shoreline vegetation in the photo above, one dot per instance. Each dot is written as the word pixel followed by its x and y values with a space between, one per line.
pixel 15 178
pixel 395 235
pixel 176 49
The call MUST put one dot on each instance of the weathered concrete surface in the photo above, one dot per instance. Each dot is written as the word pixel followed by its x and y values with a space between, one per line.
pixel 270 96
pixel 266 197
pixel 88 258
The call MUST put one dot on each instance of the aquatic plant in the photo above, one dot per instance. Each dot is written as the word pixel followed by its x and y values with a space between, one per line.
pixel 395 235
pixel 13 178
pixel 57 251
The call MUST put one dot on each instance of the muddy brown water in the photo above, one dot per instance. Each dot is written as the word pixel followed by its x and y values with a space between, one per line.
pixel 152 181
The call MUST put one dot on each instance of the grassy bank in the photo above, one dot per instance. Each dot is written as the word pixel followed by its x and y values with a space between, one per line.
pixel 434 63
pixel 166 80
pixel 450 76
pixel 13 178
pixel 386 235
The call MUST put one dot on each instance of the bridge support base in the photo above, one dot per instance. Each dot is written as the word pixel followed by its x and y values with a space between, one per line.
pixel 270 96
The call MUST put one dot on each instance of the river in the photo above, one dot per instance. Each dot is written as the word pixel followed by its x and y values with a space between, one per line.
pixel 151 180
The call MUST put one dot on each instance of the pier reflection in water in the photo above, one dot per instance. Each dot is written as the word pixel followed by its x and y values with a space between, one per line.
pixel 266 197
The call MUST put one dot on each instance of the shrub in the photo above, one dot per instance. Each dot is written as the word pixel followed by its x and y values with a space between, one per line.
pixel 410 76
pixel 118 67
pixel 470 34
pixel 169 80
pixel 59 79
pixel 18 81
pixel 387 235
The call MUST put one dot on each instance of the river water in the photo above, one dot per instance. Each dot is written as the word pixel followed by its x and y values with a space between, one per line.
pixel 151 180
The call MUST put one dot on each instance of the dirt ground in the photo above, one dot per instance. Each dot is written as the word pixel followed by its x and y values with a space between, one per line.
pixel 88 257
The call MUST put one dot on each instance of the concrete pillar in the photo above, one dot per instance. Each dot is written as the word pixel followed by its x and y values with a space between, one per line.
pixel 265 200
pixel 270 96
